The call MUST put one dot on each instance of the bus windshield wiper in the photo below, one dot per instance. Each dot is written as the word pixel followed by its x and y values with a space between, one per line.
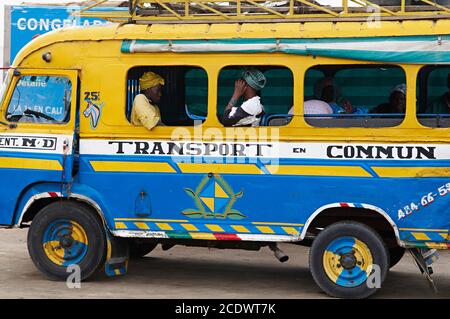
pixel 38 114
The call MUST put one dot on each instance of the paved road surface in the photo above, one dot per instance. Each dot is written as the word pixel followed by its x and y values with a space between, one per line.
pixel 184 272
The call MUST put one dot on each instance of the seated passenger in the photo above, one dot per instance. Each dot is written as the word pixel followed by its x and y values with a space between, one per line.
pixel 328 91
pixel 250 112
pixel 313 107
pixel 396 104
pixel 145 111
pixel 441 105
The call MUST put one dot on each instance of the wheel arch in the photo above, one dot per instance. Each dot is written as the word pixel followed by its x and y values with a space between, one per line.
pixel 335 212
pixel 40 196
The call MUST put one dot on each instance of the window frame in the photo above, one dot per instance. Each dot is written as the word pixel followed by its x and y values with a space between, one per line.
pixel 130 67
pixel 435 118
pixel 72 75
pixel 66 112
pixel 362 64
pixel 291 124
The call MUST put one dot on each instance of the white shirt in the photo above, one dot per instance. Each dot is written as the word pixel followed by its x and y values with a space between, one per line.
pixel 253 107
pixel 315 107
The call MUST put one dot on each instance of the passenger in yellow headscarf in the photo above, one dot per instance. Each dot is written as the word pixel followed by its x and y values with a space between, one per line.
pixel 145 111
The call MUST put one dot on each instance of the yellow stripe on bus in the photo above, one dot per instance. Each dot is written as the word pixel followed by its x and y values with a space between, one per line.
pixel 265 229
pixel 421 236
pixel 424 230
pixel 189 227
pixel 278 224
pixel 412 171
pixel 219 168
pixel 215 228
pixel 240 229
pixel 316 170
pixel 142 225
pixel 120 225
pixel 207 236
pixel 151 220
pixel 290 230
pixel 30 163
pixel 164 226
pixel 145 167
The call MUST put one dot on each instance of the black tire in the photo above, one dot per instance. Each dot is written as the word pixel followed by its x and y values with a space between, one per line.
pixel 395 255
pixel 341 231
pixel 52 222
pixel 140 249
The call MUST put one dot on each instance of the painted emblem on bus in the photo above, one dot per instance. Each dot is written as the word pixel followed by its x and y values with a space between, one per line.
pixel 213 199
pixel 93 111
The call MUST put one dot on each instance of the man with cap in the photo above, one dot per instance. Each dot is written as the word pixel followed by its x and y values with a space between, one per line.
pixel 250 112
pixel 145 112
pixel 396 104
pixel 442 105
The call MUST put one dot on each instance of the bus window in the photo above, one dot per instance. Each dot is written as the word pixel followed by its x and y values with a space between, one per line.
pixel 184 96
pixel 355 96
pixel 40 99
pixel 433 96
pixel 266 103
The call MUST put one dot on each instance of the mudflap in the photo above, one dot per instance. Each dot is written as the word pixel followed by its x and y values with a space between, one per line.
pixel 116 263
pixel 424 265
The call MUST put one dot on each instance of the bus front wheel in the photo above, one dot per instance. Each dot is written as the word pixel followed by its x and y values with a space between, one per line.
pixel 67 238
pixel 344 257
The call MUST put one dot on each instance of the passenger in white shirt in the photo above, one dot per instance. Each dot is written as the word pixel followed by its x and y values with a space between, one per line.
pixel 250 112
pixel 314 107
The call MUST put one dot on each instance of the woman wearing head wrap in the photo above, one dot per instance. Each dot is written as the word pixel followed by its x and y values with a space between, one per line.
pixel 250 112
pixel 396 104
pixel 145 112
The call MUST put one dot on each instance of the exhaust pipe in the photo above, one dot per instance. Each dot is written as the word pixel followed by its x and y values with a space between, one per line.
pixel 279 254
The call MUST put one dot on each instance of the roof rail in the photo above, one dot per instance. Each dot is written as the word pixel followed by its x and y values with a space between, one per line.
pixel 218 11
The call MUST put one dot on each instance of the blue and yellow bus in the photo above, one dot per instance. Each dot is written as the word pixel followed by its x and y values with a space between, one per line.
pixel 359 187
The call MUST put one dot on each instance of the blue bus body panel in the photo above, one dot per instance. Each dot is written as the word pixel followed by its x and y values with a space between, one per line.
pixel 264 203
pixel 22 172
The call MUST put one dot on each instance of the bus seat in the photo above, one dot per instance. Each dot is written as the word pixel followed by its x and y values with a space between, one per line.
pixel 193 116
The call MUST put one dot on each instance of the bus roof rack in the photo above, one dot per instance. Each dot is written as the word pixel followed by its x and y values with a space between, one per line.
pixel 244 11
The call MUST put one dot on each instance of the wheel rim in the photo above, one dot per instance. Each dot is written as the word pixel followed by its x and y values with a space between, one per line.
pixel 65 242
pixel 347 261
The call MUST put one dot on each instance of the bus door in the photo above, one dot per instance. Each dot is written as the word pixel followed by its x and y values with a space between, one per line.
pixel 36 133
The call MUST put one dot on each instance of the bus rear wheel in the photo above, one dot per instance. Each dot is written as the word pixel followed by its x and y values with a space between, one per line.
pixel 344 255
pixel 64 234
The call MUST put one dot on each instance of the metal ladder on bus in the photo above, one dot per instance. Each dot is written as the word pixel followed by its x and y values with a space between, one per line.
pixel 244 11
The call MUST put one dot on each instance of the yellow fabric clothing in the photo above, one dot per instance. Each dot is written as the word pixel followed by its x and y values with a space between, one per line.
pixel 149 80
pixel 144 113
